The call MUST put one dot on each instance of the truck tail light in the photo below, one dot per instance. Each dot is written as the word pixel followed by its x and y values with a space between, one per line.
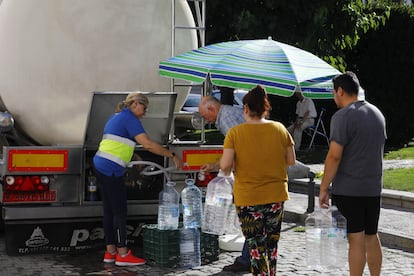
pixel 27 183
pixel 204 178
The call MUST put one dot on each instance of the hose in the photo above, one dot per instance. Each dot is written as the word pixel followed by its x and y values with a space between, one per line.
pixel 149 170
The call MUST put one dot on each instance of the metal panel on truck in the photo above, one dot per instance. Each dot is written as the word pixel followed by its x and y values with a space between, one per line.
pixel 24 167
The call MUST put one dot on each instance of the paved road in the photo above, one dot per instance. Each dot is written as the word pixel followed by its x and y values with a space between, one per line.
pixel 291 257
pixel 291 262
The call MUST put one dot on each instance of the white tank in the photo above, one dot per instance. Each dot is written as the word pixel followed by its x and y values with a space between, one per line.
pixel 55 53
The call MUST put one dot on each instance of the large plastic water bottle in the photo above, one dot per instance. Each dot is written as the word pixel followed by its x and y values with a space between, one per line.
pixel 233 224
pixel 190 253
pixel 168 208
pixel 317 226
pixel 326 241
pixel 339 241
pixel 192 205
pixel 219 198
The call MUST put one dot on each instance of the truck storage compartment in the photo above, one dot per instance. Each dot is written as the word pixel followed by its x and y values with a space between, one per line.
pixel 157 123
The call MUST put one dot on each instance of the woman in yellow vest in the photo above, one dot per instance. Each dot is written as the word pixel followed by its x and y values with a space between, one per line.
pixel 121 133
pixel 259 151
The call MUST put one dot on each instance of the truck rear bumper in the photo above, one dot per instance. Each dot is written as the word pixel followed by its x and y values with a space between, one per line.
pixel 13 213
pixel 67 229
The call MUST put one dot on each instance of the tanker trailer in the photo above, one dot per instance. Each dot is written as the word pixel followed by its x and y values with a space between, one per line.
pixel 55 53
pixel 53 119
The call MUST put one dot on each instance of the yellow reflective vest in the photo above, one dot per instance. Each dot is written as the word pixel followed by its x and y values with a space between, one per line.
pixel 117 149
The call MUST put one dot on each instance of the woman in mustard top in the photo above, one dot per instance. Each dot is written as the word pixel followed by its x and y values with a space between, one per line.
pixel 259 151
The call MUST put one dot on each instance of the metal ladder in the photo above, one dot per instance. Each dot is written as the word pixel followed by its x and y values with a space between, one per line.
pixel 198 8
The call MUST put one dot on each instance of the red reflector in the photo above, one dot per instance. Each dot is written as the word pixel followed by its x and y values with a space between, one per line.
pixel 19 180
pixel 39 196
pixel 42 187
pixel 35 180
pixel 27 185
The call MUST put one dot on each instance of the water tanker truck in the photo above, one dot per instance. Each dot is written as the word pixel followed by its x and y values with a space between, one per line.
pixel 65 66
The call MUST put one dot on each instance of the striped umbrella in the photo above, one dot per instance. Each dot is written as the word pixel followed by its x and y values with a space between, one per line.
pixel 280 68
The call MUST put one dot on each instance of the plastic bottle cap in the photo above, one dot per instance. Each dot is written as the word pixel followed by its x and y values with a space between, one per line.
pixel 170 183
pixel 189 181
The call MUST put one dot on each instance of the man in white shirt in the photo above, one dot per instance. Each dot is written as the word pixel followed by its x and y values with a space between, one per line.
pixel 305 117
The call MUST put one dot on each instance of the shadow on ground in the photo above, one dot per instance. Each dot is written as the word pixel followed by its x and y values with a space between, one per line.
pixel 316 155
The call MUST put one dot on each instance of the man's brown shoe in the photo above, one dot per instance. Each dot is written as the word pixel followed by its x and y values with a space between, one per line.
pixel 236 267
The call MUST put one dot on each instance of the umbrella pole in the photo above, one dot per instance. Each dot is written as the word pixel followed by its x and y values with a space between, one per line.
pixel 207 90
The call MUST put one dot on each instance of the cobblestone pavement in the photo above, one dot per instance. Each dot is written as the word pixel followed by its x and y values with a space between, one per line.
pixel 291 261
pixel 402 222
pixel 291 256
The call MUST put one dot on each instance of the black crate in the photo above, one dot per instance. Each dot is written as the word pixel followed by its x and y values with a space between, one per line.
pixel 209 248
pixel 161 247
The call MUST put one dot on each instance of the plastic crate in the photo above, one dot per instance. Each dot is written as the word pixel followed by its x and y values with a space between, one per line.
pixel 161 247
pixel 209 248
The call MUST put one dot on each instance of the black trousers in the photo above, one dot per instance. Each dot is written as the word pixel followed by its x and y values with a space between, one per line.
pixel 114 199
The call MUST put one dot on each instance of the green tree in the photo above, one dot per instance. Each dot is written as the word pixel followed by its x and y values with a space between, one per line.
pixel 375 40
pixel 384 62
pixel 326 28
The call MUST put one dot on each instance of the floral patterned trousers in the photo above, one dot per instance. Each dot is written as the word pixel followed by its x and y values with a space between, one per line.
pixel 261 225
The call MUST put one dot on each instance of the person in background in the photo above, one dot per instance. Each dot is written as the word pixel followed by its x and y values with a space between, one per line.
pixel 354 167
pixel 305 117
pixel 121 133
pixel 259 151
pixel 224 117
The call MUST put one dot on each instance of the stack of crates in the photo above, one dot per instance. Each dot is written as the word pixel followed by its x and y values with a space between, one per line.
pixel 161 247
pixel 209 248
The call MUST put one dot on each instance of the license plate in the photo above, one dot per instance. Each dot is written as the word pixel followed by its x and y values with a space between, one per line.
pixel 40 196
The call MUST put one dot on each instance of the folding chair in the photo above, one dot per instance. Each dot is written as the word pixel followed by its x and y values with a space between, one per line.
pixel 318 128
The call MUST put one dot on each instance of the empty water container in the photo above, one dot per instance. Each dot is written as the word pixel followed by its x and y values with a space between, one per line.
pixel 326 242
pixel 317 225
pixel 339 240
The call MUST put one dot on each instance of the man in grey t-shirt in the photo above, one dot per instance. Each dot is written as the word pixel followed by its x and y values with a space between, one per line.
pixel 354 167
